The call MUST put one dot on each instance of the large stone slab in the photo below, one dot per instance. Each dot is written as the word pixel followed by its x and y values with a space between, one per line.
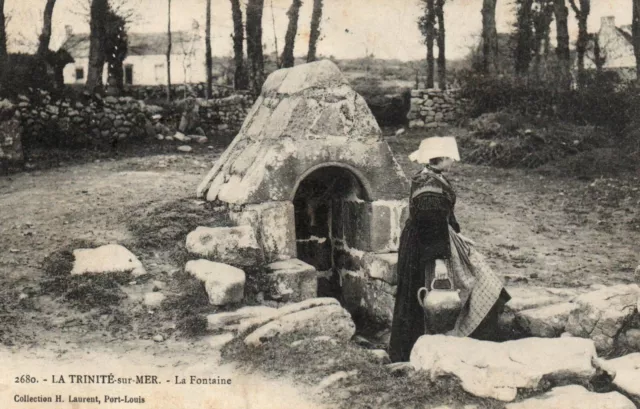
pixel 545 322
pixel 274 223
pixel 498 370
pixel 224 283
pixel 528 297
pixel 324 320
pixel 292 281
pixel 111 258
pixel 306 117
pixel 231 245
pixel 602 314
pixel 627 378
pixel 574 397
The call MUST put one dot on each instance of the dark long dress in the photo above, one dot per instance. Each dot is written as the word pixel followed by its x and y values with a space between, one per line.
pixel 424 239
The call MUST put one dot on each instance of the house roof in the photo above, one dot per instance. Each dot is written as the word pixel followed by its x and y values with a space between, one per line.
pixel 138 43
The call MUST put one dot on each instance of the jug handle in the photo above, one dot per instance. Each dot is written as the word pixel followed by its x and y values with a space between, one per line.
pixel 441 279
pixel 420 290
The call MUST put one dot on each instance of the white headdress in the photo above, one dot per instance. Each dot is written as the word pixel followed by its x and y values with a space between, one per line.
pixel 436 147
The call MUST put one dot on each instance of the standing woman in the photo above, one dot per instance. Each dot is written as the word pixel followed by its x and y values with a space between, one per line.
pixel 430 245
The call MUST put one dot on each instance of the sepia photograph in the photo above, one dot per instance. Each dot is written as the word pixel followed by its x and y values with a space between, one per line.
pixel 324 204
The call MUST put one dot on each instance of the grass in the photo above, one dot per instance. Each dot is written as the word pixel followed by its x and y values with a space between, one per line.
pixel 374 386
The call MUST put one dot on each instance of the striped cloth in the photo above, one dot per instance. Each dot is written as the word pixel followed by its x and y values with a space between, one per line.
pixel 479 286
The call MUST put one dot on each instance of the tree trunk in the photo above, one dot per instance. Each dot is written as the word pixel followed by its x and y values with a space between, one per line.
pixel 489 36
pixel 523 38
pixel 169 45
pixel 430 37
pixel 582 14
pixel 45 36
pixel 240 80
pixel 314 34
pixel 542 24
pixel 275 37
pixel 99 9
pixel 3 39
pixel 290 38
pixel 254 44
pixel 442 60
pixel 564 59
pixel 209 57
pixel 635 28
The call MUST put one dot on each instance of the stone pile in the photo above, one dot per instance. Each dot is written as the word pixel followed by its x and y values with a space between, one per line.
pixel 432 108
pixel 11 153
pixel 159 92
pixel 226 113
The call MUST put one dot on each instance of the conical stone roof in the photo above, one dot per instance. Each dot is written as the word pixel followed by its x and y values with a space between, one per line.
pixel 306 117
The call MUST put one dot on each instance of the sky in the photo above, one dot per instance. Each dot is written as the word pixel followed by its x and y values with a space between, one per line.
pixel 350 28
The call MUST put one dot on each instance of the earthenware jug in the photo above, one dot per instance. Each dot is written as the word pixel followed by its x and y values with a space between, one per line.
pixel 441 305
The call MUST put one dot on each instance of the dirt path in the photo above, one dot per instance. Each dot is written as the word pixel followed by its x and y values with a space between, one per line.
pixel 162 368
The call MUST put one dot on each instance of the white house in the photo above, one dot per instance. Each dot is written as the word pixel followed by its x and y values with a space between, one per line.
pixel 616 48
pixel 146 62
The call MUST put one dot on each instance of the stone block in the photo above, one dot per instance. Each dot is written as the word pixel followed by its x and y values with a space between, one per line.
pixel 364 296
pixel 545 322
pixel 111 258
pixel 603 313
pixel 274 225
pixel 224 283
pixel 374 226
pixel 381 267
pixel 292 281
pixel 627 375
pixel 232 245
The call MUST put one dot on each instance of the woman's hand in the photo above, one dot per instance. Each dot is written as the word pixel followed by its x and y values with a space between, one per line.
pixel 467 240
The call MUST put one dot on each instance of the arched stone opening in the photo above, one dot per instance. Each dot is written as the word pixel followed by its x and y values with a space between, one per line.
pixel 319 199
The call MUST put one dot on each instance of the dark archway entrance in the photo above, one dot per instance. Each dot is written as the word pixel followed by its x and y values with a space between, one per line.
pixel 318 203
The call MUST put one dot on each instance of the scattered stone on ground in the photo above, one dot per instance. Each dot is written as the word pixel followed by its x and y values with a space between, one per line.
pixel 497 370
pixel 292 281
pixel 335 378
pixel 219 341
pixel 158 338
pixel 379 356
pixel 232 245
pixel 307 320
pixel 224 283
pixel 225 319
pixel 111 258
pixel 545 322
pixel 627 377
pixel 603 313
pixel 153 299
pixel 185 148
pixel 574 397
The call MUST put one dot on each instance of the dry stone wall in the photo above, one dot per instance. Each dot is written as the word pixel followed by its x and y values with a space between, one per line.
pixel 11 155
pixel 432 108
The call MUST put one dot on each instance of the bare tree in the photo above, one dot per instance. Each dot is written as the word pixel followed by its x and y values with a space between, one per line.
pixel 169 46
pixel 275 36
pixel 314 35
pixel 564 58
pixel 290 37
pixel 440 39
pixel 45 36
pixel 582 14
pixel 99 9
pixel 635 29
pixel 3 34
pixel 209 57
pixel 524 37
pixel 254 44
pixel 542 17
pixel 489 37
pixel 426 23
pixel 240 76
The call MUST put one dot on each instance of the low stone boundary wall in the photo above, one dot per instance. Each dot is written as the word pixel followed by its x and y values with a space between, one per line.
pixel 432 108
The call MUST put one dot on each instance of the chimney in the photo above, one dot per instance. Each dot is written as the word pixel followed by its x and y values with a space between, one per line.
pixel 607 22
pixel 69 30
